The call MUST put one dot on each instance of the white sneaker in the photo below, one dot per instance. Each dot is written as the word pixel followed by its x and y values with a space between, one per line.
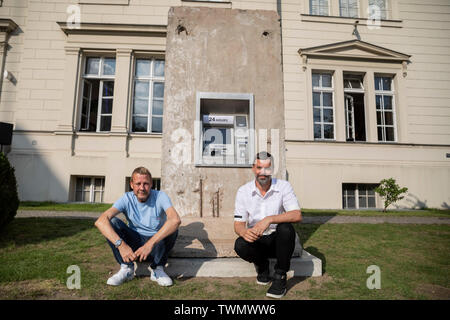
pixel 126 273
pixel 160 276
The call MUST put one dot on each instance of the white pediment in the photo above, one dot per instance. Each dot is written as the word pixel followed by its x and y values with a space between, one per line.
pixel 354 50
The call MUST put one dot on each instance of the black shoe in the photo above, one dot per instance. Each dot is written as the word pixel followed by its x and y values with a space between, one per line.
pixel 278 288
pixel 263 276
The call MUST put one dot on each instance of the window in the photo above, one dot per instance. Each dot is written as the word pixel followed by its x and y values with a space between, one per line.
pixel 348 8
pixel 148 97
pixel 323 109
pixel 384 95
pixel 97 95
pixel 358 196
pixel 378 9
pixel 156 184
pixel 89 189
pixel 355 126
pixel 319 7
pixel 354 106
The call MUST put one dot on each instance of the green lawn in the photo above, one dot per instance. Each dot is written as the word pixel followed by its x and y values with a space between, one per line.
pixel 100 207
pixel 376 213
pixel 413 259
pixel 54 206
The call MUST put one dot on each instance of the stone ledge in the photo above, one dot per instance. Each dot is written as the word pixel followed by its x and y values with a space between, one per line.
pixel 189 246
pixel 305 266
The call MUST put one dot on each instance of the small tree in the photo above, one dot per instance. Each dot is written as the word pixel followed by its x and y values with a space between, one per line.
pixel 390 192
pixel 9 200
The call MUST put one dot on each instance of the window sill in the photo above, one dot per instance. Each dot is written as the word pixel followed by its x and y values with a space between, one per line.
pixel 110 133
pixel 351 21
pixel 92 133
pixel 206 3
pixel 223 165
pixel 348 142
pixel 145 135
pixel 113 2
pixel 394 144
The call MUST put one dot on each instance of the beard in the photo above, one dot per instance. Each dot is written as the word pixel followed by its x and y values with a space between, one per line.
pixel 263 180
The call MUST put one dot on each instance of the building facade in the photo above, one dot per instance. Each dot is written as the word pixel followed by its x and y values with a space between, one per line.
pixel 365 96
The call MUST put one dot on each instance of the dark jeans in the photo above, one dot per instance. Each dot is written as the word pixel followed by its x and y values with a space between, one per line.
pixel 160 252
pixel 279 244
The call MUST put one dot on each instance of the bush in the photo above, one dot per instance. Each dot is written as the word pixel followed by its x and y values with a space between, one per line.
pixel 390 192
pixel 9 200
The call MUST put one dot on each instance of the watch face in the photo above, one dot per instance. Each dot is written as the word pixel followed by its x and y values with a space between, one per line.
pixel 118 242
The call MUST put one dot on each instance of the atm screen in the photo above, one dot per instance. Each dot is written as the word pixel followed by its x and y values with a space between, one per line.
pixel 217 141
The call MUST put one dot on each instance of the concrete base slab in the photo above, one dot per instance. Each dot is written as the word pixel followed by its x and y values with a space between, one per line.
pixel 210 238
pixel 305 266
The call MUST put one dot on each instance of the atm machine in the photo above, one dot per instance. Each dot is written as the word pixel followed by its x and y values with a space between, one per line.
pixel 225 139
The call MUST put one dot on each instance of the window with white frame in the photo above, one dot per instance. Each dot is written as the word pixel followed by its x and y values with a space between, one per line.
pixel 148 95
pixel 358 196
pixel 378 9
pixel 323 106
pixel 97 94
pixel 319 7
pixel 348 8
pixel 384 95
pixel 89 189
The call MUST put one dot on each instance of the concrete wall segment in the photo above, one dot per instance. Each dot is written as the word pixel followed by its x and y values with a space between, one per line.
pixel 217 50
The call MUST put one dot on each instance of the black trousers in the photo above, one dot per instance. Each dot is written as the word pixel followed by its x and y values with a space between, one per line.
pixel 279 244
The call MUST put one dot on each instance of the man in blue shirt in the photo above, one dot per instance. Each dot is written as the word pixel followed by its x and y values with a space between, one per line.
pixel 151 232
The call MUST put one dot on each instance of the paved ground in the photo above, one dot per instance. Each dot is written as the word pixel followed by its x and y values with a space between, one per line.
pixel 315 220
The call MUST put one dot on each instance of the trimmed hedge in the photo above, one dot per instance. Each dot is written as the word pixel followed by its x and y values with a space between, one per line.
pixel 9 200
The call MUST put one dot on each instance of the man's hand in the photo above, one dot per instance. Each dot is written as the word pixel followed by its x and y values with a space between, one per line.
pixel 261 226
pixel 127 253
pixel 241 230
pixel 250 235
pixel 143 252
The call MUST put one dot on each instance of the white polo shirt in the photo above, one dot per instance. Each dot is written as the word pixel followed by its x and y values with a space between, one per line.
pixel 251 206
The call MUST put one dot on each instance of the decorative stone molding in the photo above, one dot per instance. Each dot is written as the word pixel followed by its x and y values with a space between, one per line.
pixel 354 50
pixel 111 28
pixel 351 21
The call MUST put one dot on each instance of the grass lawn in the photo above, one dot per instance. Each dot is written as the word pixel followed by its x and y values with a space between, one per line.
pixel 414 261
pixel 54 206
pixel 100 207
pixel 377 213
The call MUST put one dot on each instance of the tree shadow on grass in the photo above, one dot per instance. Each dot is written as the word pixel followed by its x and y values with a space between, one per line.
pixel 24 231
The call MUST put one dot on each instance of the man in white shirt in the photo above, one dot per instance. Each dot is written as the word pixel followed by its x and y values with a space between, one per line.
pixel 264 210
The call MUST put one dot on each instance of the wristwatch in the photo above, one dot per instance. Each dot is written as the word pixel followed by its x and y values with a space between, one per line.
pixel 118 243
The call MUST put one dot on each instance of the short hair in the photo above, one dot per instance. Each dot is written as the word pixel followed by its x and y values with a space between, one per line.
pixel 142 171
pixel 263 155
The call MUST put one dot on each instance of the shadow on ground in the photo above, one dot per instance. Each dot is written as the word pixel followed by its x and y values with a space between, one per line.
pixel 193 241
pixel 307 228
pixel 24 231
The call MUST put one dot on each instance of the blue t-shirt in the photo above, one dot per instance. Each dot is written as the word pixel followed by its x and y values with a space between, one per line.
pixel 144 217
